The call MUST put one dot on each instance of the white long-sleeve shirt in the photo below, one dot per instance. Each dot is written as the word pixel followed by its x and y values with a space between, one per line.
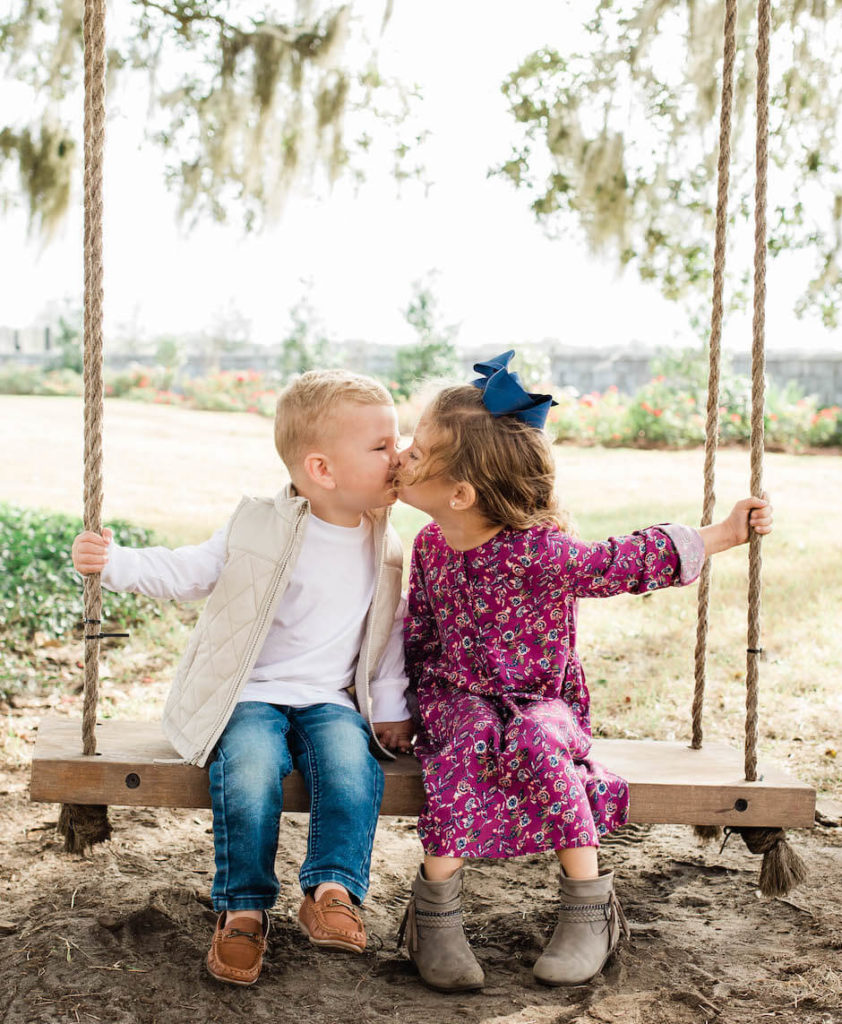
pixel 311 650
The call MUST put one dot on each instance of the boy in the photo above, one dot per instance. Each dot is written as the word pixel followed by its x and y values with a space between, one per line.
pixel 303 595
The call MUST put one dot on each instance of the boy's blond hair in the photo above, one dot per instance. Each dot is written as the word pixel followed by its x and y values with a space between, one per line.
pixel 306 411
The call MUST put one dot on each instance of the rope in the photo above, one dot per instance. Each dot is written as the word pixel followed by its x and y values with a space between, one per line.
pixel 82 825
pixel 758 373
pixel 712 424
pixel 94 128
pixel 782 867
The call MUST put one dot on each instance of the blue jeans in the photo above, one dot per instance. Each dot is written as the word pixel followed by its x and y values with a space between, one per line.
pixel 328 744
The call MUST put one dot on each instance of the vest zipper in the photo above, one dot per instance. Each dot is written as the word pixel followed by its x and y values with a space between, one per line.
pixel 235 689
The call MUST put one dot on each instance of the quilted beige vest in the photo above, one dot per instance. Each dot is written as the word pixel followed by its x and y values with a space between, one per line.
pixel 263 544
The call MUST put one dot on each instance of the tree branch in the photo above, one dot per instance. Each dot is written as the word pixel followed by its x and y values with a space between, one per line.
pixel 300 40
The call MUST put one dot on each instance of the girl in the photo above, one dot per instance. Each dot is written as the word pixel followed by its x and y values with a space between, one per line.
pixel 490 641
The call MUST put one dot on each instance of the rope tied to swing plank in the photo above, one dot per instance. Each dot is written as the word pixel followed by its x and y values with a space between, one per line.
pixel 715 355
pixel 782 868
pixel 83 825
pixel 758 382
pixel 94 127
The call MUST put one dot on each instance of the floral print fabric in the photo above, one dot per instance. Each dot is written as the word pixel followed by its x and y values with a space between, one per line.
pixel 505 732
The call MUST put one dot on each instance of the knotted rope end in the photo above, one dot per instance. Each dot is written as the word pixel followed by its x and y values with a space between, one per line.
pixel 707 833
pixel 782 867
pixel 83 826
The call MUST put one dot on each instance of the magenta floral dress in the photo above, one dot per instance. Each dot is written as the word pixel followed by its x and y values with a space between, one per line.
pixel 491 653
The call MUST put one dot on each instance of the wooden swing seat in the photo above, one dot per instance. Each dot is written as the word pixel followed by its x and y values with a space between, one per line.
pixel 669 782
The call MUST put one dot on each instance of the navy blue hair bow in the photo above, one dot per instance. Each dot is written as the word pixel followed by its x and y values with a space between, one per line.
pixel 504 395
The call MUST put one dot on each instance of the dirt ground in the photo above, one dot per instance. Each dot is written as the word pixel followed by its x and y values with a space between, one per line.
pixel 120 936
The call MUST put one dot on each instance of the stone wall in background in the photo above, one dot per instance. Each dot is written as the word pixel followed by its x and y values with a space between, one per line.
pixel 815 373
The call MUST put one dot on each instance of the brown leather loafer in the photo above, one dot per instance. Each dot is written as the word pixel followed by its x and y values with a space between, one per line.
pixel 236 953
pixel 332 922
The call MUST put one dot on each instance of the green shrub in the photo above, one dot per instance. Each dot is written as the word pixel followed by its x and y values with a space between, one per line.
pixel 670 411
pixel 665 414
pixel 61 382
pixel 233 391
pixel 592 419
pixel 18 379
pixel 140 382
pixel 826 426
pixel 39 589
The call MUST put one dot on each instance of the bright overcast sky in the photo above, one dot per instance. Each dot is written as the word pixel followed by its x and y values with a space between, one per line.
pixel 498 276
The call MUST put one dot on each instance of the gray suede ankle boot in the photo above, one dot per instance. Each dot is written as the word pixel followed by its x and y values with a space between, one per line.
pixel 590 923
pixel 435 938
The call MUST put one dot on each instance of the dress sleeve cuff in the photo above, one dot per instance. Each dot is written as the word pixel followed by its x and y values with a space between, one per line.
pixel 691 550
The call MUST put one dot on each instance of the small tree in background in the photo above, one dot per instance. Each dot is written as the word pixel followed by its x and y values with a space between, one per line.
pixel 533 365
pixel 435 354
pixel 169 353
pixel 306 347
pixel 68 343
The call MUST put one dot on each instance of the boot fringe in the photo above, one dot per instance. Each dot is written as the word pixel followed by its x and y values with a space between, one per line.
pixel 435 938
pixel 618 925
pixel 408 929
pixel 611 912
pixel 429 919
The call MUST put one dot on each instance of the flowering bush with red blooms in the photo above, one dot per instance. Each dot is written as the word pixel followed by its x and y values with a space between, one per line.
pixel 661 414
pixel 16 379
pixel 233 391
pixel 592 419
pixel 230 391
pixel 826 426
pixel 137 382
pixel 794 422
pixel 669 410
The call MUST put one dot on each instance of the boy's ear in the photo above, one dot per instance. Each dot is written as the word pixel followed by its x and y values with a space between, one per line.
pixel 463 497
pixel 317 468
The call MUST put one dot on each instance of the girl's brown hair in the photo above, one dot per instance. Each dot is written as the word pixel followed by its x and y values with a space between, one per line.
pixel 509 464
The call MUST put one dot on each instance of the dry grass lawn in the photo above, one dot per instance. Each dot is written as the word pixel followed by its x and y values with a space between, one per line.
pixel 182 472
pixel 121 934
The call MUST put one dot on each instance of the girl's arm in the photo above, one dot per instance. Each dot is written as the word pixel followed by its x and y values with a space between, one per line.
pixel 660 556
pixel 650 559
